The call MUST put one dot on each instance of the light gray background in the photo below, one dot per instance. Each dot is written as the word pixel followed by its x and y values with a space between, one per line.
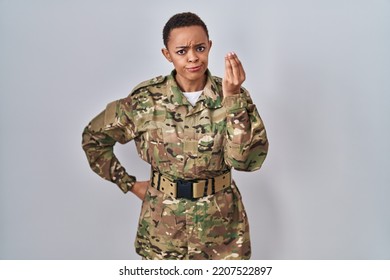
pixel 317 70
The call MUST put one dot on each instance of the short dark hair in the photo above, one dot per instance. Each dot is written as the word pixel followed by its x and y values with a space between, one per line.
pixel 182 20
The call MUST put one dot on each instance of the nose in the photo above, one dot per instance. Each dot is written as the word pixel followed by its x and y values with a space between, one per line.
pixel 192 57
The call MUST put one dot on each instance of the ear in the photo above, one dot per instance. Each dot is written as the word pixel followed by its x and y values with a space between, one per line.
pixel 165 52
pixel 210 44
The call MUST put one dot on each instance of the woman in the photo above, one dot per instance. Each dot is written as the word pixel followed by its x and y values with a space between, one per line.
pixel 192 128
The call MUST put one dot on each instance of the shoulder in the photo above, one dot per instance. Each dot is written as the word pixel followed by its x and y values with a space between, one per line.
pixel 216 84
pixel 145 95
pixel 217 79
pixel 154 82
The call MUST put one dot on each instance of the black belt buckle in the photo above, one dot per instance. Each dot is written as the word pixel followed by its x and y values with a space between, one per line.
pixel 184 189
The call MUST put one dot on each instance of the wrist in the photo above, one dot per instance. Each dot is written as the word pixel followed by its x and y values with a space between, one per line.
pixel 139 189
pixel 230 93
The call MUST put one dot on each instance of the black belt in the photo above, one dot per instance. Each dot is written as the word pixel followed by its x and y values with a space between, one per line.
pixel 190 189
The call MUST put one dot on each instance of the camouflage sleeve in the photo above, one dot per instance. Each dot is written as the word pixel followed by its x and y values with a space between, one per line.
pixel 99 137
pixel 247 143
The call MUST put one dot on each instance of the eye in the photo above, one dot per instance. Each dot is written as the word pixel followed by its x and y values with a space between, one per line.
pixel 181 52
pixel 201 48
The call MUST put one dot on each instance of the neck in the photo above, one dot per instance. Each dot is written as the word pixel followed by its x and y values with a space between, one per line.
pixel 189 85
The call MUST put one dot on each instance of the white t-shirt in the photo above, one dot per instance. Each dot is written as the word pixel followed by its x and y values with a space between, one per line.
pixel 193 96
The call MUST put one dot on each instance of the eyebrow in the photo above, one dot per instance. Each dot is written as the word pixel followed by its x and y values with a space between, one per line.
pixel 187 47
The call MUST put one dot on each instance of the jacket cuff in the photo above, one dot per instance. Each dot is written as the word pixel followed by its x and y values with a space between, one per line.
pixel 234 102
pixel 126 183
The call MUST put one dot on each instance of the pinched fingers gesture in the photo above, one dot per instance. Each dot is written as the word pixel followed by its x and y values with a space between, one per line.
pixel 234 75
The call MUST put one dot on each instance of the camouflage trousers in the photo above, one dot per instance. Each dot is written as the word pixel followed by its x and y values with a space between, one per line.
pixel 212 227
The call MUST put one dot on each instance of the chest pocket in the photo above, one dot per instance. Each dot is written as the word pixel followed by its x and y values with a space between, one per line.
pixel 210 152
pixel 211 130
pixel 150 147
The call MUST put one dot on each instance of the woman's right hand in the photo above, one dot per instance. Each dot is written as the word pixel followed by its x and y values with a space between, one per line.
pixel 234 75
pixel 139 189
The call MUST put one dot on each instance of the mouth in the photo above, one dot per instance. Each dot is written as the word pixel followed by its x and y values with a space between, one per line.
pixel 194 69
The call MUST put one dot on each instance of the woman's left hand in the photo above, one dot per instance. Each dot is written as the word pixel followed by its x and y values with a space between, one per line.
pixel 234 75
pixel 140 188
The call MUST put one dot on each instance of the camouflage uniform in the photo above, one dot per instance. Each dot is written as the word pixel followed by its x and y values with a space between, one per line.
pixel 183 142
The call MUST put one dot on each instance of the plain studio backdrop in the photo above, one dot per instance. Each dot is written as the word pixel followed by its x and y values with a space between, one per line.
pixel 317 70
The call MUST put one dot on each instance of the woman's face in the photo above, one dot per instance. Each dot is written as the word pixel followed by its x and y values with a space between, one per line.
pixel 188 49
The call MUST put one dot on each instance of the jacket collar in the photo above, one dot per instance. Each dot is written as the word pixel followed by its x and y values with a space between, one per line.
pixel 211 96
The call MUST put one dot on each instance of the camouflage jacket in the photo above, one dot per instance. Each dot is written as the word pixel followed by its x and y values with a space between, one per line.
pixel 174 137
